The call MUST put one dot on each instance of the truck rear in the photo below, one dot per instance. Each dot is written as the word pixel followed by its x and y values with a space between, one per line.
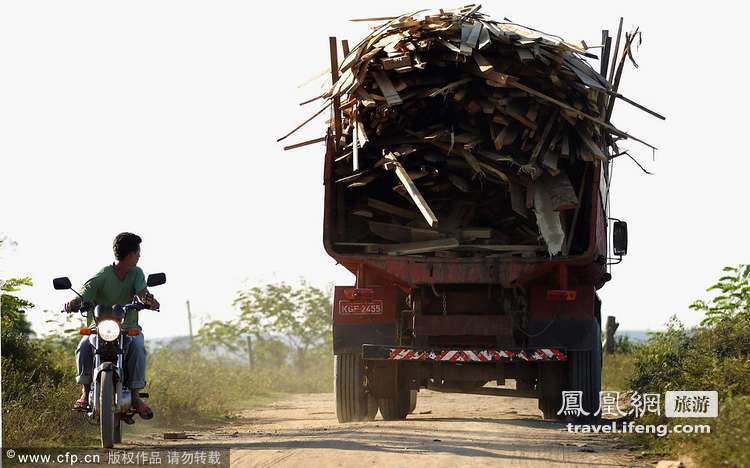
pixel 466 189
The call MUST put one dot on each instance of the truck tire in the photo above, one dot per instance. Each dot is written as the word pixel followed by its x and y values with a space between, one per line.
pixel 351 399
pixel 550 385
pixel 585 373
pixel 394 409
pixel 372 407
pixel 412 401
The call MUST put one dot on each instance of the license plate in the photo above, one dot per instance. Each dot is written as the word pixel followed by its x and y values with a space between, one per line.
pixel 361 308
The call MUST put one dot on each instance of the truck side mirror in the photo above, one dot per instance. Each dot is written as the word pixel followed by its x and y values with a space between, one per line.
pixel 620 238
pixel 62 283
pixel 155 279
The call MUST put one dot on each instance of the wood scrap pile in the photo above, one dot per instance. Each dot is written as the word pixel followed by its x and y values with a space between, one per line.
pixel 458 135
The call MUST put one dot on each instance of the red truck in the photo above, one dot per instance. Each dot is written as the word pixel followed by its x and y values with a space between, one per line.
pixel 456 324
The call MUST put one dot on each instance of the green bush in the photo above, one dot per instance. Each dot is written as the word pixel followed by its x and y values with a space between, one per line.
pixel 713 356
pixel 38 383
pixel 729 444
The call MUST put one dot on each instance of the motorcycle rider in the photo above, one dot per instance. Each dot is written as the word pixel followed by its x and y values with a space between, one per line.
pixel 114 284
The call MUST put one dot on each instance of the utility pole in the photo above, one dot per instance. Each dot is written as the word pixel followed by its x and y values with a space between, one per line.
pixel 250 351
pixel 190 321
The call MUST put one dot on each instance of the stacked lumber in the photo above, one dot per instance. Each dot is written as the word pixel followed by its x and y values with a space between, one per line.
pixel 456 135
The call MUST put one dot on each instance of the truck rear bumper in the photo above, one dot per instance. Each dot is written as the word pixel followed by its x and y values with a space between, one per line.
pixel 400 353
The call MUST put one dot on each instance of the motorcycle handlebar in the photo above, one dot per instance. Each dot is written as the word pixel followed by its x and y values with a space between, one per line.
pixel 87 305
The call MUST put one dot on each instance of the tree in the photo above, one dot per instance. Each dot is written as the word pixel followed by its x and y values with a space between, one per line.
pixel 13 308
pixel 733 300
pixel 302 314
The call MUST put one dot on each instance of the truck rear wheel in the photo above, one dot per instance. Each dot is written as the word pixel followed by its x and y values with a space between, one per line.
pixel 551 384
pixel 412 401
pixel 394 409
pixel 351 399
pixel 585 372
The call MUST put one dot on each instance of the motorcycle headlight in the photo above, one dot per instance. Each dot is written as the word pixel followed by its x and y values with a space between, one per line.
pixel 108 330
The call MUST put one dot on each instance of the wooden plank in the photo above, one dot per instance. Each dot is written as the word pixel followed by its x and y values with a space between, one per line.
pixel 363 213
pixel 594 151
pixel 386 86
pixel 506 248
pixel 422 247
pixel 518 200
pixel 614 56
pixel 579 113
pixel 482 63
pixel 304 143
pixel 560 190
pixel 303 123
pixel 380 18
pixel 396 62
pixel 570 234
pixel 520 115
pixel 412 190
pixel 543 139
pixel 336 100
pixel 355 146
pixel 399 233
pixel 467 155
pixel 496 172
pixel 469 37
pixel 476 233
pixel 550 160
pixel 390 209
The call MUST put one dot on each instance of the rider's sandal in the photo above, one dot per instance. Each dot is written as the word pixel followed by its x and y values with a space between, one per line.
pixel 144 411
pixel 81 404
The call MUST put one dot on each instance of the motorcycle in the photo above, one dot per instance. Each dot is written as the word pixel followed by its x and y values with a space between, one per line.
pixel 110 401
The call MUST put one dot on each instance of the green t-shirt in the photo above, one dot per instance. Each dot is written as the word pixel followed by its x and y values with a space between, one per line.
pixel 107 289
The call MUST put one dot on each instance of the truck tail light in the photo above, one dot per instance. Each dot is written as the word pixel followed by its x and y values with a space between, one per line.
pixel 352 294
pixel 565 295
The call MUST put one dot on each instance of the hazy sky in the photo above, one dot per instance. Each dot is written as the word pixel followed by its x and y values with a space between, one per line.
pixel 160 117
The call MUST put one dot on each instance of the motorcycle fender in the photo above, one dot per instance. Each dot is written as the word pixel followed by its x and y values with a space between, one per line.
pixel 108 366
pixel 105 366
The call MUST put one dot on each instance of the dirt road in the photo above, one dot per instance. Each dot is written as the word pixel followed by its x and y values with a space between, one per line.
pixel 445 430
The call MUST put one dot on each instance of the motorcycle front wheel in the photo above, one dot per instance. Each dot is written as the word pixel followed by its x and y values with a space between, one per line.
pixel 107 409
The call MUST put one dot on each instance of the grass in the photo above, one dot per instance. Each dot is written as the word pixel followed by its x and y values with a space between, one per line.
pixel 616 371
pixel 188 391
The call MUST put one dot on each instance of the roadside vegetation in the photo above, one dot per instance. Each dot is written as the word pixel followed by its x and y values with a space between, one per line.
pixel 618 367
pixel 712 356
pixel 190 383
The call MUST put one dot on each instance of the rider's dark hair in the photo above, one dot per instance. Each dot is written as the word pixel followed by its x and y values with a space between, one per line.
pixel 124 243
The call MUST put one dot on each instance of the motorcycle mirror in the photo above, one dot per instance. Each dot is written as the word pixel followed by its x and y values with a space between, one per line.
pixel 155 279
pixel 62 283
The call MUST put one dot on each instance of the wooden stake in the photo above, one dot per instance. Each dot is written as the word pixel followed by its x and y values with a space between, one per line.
pixel 336 99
